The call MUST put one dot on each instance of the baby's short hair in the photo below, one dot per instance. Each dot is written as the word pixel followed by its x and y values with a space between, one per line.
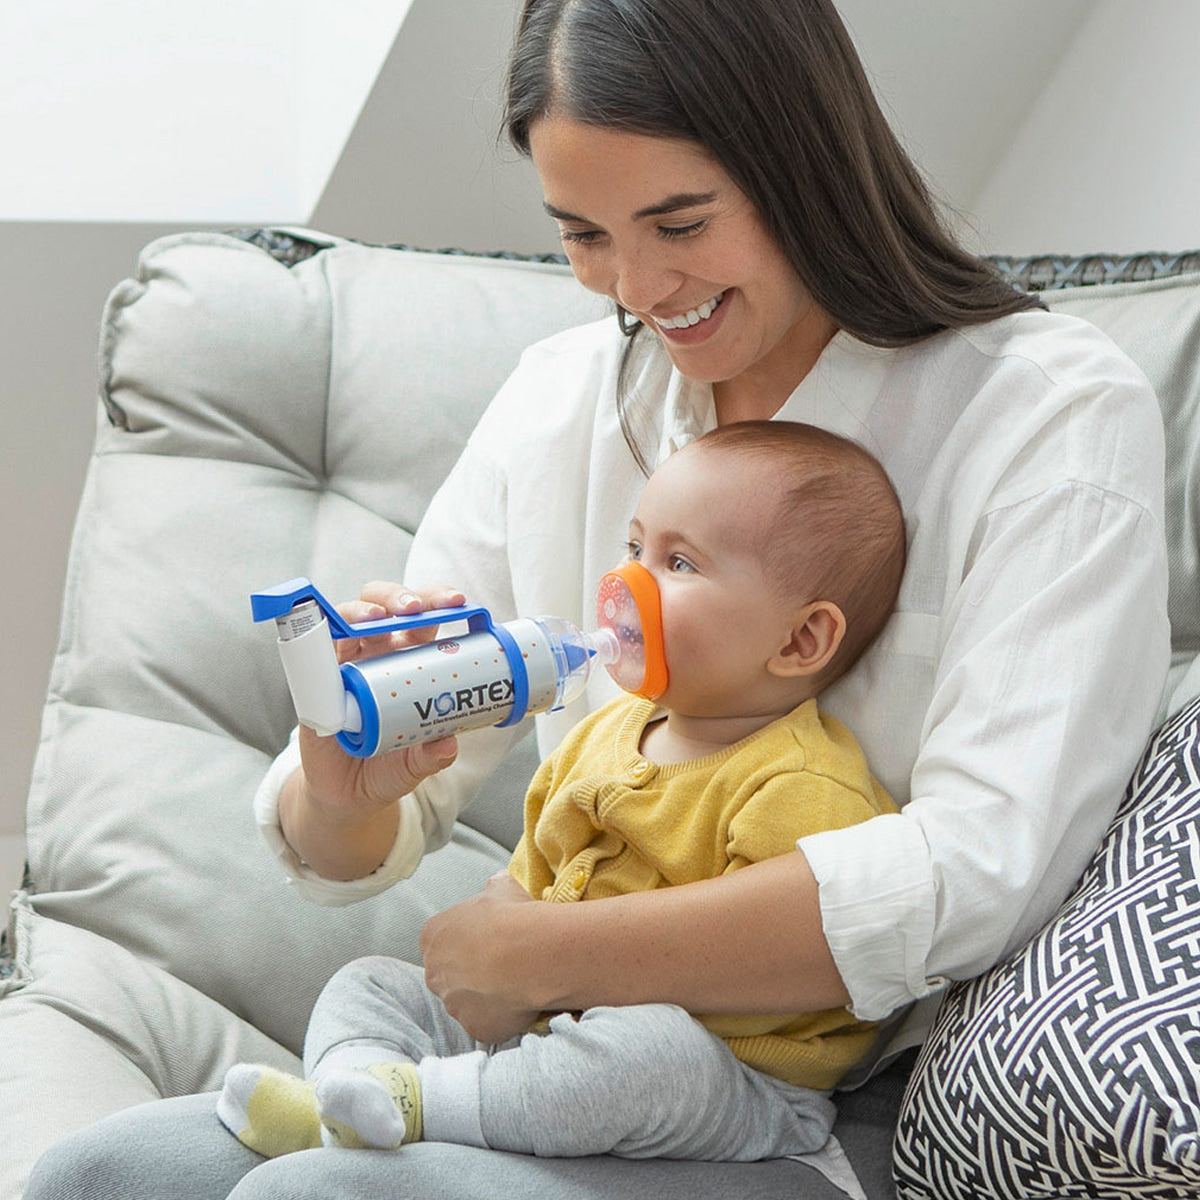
pixel 837 531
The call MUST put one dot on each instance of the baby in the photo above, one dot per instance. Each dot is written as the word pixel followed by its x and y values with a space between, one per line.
pixel 763 559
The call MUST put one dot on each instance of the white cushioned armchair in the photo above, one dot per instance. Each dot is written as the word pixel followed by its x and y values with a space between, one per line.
pixel 279 404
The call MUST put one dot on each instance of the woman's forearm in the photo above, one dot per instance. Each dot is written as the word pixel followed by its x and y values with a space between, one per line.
pixel 341 814
pixel 748 942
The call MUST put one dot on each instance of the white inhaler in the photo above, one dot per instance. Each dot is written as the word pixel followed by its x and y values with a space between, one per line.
pixel 494 674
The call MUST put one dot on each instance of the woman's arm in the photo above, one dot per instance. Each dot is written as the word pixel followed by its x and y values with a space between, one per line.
pixel 1051 649
pixel 747 942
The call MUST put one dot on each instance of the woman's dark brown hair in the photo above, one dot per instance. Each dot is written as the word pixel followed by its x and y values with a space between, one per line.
pixel 775 92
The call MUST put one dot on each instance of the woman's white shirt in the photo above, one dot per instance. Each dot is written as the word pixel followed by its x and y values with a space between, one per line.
pixel 1007 700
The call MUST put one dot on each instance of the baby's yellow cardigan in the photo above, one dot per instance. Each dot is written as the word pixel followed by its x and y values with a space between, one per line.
pixel 602 820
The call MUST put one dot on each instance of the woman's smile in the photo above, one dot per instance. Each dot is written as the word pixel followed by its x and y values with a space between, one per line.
pixel 695 325
pixel 657 225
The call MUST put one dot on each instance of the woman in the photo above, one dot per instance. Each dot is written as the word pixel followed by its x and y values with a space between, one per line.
pixel 723 173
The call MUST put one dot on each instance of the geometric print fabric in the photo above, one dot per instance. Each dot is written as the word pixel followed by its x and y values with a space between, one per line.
pixel 1073 1068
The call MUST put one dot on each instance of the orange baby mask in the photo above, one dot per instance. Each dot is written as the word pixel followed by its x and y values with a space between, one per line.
pixel 628 604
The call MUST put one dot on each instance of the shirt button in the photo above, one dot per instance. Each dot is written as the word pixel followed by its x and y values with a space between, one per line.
pixel 579 880
pixel 640 768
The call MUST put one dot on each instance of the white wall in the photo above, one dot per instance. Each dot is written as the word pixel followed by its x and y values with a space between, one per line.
pixel 1109 156
pixel 424 165
pixel 1052 126
pixel 958 77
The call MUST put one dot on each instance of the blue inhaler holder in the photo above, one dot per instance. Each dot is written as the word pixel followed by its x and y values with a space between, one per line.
pixel 494 674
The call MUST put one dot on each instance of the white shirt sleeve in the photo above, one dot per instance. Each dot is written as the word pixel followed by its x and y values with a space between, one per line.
pixel 1049 678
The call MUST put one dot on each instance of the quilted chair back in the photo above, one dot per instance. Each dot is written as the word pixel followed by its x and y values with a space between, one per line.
pixel 264 415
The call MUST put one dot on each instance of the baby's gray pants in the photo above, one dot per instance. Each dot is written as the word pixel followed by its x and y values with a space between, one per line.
pixel 644 1081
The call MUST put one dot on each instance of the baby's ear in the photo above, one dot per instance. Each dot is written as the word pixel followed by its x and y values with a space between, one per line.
pixel 816 635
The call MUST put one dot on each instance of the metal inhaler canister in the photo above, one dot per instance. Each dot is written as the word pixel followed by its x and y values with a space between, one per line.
pixel 311 668
pixel 454 685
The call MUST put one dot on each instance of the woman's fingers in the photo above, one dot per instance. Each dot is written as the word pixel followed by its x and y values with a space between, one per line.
pixel 381 599
pixel 397 598
pixel 398 773
pixel 469 950
pixel 355 612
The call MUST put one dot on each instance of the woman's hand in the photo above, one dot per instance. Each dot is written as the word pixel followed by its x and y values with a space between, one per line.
pixel 339 813
pixel 472 953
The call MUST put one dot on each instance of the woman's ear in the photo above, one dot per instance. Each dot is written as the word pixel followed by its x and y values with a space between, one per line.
pixel 816 635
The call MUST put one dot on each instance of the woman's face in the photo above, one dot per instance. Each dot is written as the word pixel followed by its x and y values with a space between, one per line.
pixel 657 225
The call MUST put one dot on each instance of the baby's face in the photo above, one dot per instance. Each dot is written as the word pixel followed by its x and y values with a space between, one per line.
pixel 700 530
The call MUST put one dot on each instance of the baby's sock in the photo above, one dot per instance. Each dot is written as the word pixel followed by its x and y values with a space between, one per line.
pixel 268 1110
pixel 378 1107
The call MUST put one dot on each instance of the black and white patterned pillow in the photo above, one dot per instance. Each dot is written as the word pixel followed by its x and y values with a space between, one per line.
pixel 1073 1069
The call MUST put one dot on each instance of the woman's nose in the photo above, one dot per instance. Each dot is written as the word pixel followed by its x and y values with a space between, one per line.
pixel 642 281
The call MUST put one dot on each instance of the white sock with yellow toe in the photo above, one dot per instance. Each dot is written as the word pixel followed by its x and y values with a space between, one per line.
pixel 376 1107
pixel 268 1110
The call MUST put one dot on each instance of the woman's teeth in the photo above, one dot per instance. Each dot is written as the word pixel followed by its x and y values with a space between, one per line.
pixel 693 317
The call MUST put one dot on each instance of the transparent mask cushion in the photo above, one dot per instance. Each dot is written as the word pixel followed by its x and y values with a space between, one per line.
pixel 627 603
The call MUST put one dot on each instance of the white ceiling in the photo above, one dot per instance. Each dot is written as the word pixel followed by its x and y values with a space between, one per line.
pixel 136 110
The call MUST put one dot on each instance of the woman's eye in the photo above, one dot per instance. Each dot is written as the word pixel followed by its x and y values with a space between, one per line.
pixel 579 237
pixel 680 231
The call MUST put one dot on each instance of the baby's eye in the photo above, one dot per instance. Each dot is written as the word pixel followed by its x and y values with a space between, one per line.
pixel 679 564
pixel 633 550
